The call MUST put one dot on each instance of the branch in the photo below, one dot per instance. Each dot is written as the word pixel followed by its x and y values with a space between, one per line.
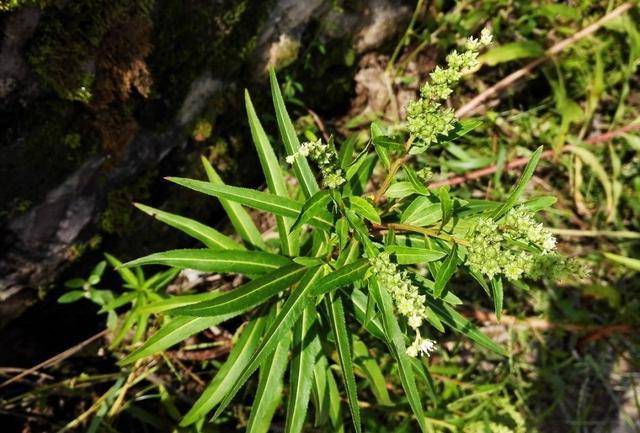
pixel 471 106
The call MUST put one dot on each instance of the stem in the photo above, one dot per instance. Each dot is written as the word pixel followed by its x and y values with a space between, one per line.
pixel 404 38
pixel 422 230
pixel 393 169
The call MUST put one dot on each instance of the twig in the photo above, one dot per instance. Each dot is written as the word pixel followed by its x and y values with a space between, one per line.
pixel 545 325
pixel 519 162
pixel 319 123
pixel 55 359
pixel 616 234
pixel 471 106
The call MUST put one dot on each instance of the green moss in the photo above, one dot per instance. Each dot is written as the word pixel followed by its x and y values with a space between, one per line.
pixel 9 5
pixel 118 214
pixel 63 49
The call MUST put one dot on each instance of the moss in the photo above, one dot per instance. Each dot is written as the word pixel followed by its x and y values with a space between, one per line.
pixel 63 49
pixel 117 216
pixel 9 5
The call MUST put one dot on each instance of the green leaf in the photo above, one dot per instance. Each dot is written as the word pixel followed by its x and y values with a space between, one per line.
pixel 498 295
pixel 172 333
pixel 345 155
pixel 229 371
pixel 273 175
pixel 395 340
pixel 446 204
pixel 511 51
pixel 628 262
pixel 291 311
pixel 320 392
pixel 242 262
pixel 246 296
pixel 422 212
pixel 339 328
pixel 300 166
pixel 372 372
pixel 255 199
pixel 211 237
pixel 269 392
pixel 538 203
pixel 360 302
pixel 517 191
pixel 364 208
pixel 376 136
pixel 239 217
pixel 400 190
pixel 413 255
pixel 446 271
pixel 126 274
pixel 306 347
pixel 340 277
pixel 455 320
pixel 315 206
pixel 417 184
pixel 71 296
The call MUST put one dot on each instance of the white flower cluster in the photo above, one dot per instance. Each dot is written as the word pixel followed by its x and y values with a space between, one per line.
pixel 406 298
pixel 325 156
pixel 495 246
pixel 427 117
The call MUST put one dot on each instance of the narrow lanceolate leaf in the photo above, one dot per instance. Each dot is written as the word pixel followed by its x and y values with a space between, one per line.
pixel 315 206
pixel 242 262
pixel 239 217
pixel 395 340
pixel 450 317
pixel 211 237
pixel 339 328
pixel 517 191
pixel 446 204
pixel 272 174
pixel 246 296
pixel 628 262
pixel 383 152
pixel 417 184
pixel 306 347
pixel 229 371
pixel 341 277
pixel 364 208
pixel 446 271
pixel 255 199
pixel 177 301
pixel 300 166
pixel 127 275
pixel 421 212
pixel 291 311
pixel 372 372
pixel 412 255
pixel 269 392
pixel 360 302
pixel 172 333
pixel 320 392
pixel 498 294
